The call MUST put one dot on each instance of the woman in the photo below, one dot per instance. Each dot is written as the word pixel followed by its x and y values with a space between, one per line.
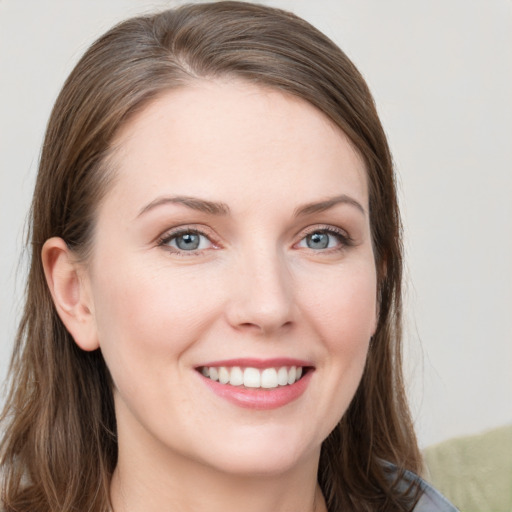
pixel 213 307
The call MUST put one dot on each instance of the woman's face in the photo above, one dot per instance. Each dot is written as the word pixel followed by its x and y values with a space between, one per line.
pixel 234 244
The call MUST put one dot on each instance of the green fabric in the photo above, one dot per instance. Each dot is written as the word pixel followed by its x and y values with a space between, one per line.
pixel 475 473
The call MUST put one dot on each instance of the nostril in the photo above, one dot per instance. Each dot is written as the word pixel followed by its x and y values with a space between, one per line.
pixel 263 327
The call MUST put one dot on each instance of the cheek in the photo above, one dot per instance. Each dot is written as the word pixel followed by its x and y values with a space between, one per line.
pixel 344 315
pixel 344 306
pixel 146 320
pixel 341 308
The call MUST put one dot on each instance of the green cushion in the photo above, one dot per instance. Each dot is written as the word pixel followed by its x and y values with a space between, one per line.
pixel 474 472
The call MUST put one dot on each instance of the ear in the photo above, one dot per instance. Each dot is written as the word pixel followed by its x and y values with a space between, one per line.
pixel 69 287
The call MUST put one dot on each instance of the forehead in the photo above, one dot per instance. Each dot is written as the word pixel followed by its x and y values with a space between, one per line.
pixel 213 138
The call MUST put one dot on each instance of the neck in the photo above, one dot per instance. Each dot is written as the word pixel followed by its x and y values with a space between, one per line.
pixel 160 481
pixel 213 494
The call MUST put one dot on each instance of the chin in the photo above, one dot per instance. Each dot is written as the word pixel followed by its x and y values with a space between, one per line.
pixel 259 465
pixel 263 454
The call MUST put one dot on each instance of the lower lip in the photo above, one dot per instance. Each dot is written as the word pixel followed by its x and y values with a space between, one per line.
pixel 259 398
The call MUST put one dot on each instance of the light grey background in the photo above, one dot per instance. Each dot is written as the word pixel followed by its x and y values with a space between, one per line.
pixel 441 73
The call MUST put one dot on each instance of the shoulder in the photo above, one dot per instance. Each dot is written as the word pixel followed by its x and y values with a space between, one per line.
pixel 430 500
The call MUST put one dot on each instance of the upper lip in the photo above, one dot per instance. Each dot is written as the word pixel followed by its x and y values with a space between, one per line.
pixel 276 362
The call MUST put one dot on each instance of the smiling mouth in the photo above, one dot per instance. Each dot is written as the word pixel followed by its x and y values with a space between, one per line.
pixel 249 377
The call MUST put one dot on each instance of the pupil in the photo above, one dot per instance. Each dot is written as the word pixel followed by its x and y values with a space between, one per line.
pixel 318 241
pixel 189 242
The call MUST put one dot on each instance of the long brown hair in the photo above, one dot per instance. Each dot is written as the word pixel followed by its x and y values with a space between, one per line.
pixel 60 448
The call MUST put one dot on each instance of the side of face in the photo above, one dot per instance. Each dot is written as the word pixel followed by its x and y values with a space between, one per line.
pixel 236 234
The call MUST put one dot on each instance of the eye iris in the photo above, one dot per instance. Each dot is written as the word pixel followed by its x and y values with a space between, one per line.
pixel 317 240
pixel 188 241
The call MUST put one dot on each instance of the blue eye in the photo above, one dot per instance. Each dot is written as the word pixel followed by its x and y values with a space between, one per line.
pixel 187 241
pixel 318 241
pixel 323 239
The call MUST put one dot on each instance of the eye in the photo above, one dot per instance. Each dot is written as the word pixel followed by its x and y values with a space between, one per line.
pixel 321 239
pixel 186 240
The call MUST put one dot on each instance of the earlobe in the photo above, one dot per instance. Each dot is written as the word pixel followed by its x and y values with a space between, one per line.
pixel 71 296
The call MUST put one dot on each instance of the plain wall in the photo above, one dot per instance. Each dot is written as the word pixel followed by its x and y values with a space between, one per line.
pixel 441 73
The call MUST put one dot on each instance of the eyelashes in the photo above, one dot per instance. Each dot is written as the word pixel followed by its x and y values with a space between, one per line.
pixel 190 241
pixel 325 238
pixel 186 241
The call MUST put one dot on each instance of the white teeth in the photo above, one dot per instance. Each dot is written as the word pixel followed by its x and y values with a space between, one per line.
pixel 252 378
pixel 292 375
pixel 282 376
pixel 237 376
pixel 267 378
pixel 223 375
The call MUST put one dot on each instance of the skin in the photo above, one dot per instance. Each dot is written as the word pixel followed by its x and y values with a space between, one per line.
pixel 254 288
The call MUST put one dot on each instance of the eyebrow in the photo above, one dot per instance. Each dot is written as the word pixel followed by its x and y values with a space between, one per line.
pixel 201 205
pixel 218 208
pixel 327 204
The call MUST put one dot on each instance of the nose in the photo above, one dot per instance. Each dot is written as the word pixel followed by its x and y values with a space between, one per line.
pixel 261 296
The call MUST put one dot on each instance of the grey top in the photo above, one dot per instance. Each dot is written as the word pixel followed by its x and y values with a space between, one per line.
pixel 431 500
